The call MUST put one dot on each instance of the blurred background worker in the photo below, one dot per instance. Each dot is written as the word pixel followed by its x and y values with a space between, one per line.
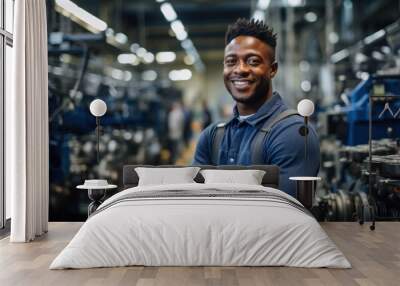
pixel 176 124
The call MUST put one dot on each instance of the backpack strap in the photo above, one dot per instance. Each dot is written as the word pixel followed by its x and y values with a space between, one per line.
pixel 257 145
pixel 217 140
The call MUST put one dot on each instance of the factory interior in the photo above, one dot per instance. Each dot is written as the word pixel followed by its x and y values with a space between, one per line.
pixel 92 89
pixel 152 57
pixel 158 67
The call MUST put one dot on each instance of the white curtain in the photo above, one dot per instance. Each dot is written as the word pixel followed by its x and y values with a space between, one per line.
pixel 27 140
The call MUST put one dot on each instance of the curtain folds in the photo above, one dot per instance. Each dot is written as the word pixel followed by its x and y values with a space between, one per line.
pixel 27 124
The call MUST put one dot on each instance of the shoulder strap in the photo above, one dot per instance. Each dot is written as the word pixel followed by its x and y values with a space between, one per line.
pixel 216 143
pixel 257 144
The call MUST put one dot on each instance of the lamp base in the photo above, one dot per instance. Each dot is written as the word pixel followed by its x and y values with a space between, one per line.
pixel 305 190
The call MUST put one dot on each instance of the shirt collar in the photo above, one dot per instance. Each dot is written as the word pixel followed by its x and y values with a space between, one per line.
pixel 266 110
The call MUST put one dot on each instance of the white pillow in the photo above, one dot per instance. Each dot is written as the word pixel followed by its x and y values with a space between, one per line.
pixel 163 176
pixel 249 177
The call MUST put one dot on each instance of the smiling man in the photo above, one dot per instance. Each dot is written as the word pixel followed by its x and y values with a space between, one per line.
pixel 263 129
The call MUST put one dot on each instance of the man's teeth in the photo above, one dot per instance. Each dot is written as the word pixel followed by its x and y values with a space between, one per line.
pixel 241 83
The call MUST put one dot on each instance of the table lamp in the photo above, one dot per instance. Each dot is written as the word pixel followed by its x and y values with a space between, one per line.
pixel 305 108
pixel 305 186
pixel 98 108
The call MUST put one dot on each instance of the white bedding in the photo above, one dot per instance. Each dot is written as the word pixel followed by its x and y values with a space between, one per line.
pixel 183 231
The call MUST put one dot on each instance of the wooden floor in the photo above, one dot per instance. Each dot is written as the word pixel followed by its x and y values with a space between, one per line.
pixel 375 257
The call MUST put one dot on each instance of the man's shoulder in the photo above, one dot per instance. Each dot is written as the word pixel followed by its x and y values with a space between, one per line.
pixel 209 132
pixel 289 129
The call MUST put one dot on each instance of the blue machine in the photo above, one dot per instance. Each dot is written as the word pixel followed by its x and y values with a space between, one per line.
pixel 358 112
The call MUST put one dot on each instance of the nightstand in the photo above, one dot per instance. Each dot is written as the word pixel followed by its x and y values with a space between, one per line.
pixel 96 192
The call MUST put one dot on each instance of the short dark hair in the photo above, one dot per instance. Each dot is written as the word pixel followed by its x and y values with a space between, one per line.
pixel 254 28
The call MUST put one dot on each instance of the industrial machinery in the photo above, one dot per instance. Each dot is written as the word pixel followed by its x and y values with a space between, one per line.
pixel 362 166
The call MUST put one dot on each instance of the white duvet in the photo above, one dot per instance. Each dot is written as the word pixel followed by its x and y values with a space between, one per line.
pixel 204 231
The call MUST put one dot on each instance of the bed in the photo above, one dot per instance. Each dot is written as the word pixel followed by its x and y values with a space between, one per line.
pixel 201 224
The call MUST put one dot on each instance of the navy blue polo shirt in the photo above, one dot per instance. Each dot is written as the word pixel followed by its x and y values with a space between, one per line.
pixel 283 145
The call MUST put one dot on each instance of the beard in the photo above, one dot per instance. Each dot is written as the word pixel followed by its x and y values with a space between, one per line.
pixel 259 94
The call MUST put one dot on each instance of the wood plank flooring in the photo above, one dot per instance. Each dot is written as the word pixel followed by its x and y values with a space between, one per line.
pixel 375 257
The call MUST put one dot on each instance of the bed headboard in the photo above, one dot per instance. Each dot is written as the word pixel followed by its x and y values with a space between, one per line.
pixel 270 179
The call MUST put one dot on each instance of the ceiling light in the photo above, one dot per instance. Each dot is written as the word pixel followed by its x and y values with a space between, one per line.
pixel 263 4
pixel 148 58
pixel 165 57
pixel 386 50
pixel 149 75
pixel 310 17
pixel 178 75
pixel 127 58
pixel 80 16
pixel 134 47
pixel 378 55
pixel 121 38
pixel 187 44
pixel 375 36
pixel 360 58
pixel 259 15
pixel 141 52
pixel 127 75
pixel 168 12
pixel 179 30
pixel 340 55
pixel 189 60
pixel 295 3
pixel 333 37
pixel 117 74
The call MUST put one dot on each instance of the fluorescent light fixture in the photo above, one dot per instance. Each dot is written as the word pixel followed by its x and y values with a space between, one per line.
pixel 168 12
pixel 179 30
pixel 362 75
pixel 333 37
pixel 121 38
pixel 189 59
pixel 310 17
pixel 117 74
pixel 127 75
pixel 182 36
pixel 109 32
pixel 386 50
pixel 259 15
pixel 295 3
pixel 360 58
pixel 187 44
pixel 378 55
pixel 160 1
pixel 340 55
pixel 148 58
pixel 134 47
pixel 263 4
pixel 375 36
pixel 179 75
pixel 141 52
pixel 165 57
pixel 127 58
pixel 149 75
pixel 82 17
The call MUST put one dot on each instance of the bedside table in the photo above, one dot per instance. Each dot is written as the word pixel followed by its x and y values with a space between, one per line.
pixel 96 192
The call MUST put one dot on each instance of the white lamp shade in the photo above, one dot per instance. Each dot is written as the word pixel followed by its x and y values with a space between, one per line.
pixel 98 107
pixel 305 107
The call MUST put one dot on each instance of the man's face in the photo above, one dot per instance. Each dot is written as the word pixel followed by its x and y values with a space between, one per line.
pixel 249 67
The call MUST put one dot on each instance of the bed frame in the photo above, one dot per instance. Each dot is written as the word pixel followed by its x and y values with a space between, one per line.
pixel 270 179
